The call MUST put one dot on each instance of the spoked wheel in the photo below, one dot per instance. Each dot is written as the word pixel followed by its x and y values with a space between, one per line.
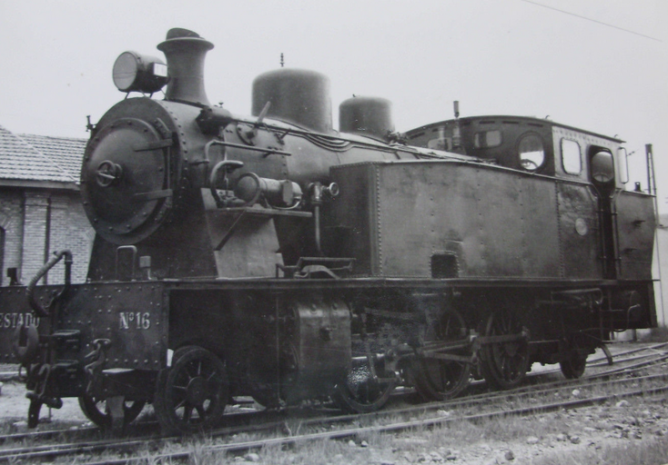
pixel 440 379
pixel 191 395
pixel 504 364
pixel 96 410
pixel 574 366
pixel 360 393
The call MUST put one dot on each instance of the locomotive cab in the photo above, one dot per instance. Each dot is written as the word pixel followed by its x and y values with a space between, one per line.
pixel 602 230
pixel 529 144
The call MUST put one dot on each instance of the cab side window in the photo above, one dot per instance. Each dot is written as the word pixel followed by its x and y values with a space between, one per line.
pixel 531 152
pixel 571 157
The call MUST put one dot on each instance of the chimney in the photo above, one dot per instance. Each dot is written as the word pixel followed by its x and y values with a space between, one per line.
pixel 185 51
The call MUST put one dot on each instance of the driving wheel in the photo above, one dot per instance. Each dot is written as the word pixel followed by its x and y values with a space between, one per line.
pixel 360 392
pixel 191 394
pixel 504 364
pixel 440 379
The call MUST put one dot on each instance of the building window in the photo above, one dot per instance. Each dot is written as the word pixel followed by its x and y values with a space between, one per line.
pixel 571 158
pixel 531 152
pixel 487 139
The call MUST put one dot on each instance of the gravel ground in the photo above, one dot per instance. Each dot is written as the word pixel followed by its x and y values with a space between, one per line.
pixel 548 439
pixel 618 424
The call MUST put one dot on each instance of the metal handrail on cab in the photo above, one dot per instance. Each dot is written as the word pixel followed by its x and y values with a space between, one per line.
pixel 34 304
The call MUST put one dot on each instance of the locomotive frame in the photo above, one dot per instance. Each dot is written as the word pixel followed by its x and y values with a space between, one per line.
pixel 272 256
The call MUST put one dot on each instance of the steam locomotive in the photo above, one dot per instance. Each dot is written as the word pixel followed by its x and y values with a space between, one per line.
pixel 272 256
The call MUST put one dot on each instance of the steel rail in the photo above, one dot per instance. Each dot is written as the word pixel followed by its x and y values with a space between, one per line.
pixel 70 449
pixel 63 449
pixel 452 402
pixel 472 401
pixel 88 446
pixel 594 363
pixel 43 435
pixel 423 408
pixel 635 366
pixel 559 383
pixel 394 427
pixel 83 431
pixel 602 361
pixel 632 351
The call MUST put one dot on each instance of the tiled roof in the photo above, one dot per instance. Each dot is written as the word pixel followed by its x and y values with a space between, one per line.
pixel 66 152
pixel 40 158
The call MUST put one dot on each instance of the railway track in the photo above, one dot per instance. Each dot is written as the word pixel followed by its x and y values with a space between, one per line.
pixel 236 422
pixel 277 423
pixel 425 421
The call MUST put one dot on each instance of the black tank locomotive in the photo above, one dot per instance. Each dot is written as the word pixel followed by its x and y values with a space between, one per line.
pixel 274 257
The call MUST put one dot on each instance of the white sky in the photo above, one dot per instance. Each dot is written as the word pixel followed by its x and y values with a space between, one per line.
pixel 494 56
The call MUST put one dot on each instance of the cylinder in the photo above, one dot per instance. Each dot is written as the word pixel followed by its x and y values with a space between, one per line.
pixel 185 51
pixel 297 96
pixel 366 116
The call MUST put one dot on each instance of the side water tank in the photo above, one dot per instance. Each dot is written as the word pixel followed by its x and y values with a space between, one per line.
pixel 297 96
pixel 366 116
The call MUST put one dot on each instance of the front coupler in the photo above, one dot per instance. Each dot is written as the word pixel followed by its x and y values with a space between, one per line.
pixel 51 377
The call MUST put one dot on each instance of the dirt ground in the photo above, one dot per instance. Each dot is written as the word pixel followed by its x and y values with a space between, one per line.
pixel 14 406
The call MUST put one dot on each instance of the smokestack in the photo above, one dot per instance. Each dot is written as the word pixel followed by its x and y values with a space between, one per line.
pixel 185 51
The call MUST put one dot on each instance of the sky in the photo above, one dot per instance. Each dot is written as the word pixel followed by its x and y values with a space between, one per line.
pixel 600 65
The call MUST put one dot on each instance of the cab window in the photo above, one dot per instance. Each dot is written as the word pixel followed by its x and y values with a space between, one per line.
pixel 570 156
pixel 531 152
pixel 441 143
pixel 487 139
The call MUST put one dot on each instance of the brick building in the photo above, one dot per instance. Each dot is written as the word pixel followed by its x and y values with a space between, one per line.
pixel 40 207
